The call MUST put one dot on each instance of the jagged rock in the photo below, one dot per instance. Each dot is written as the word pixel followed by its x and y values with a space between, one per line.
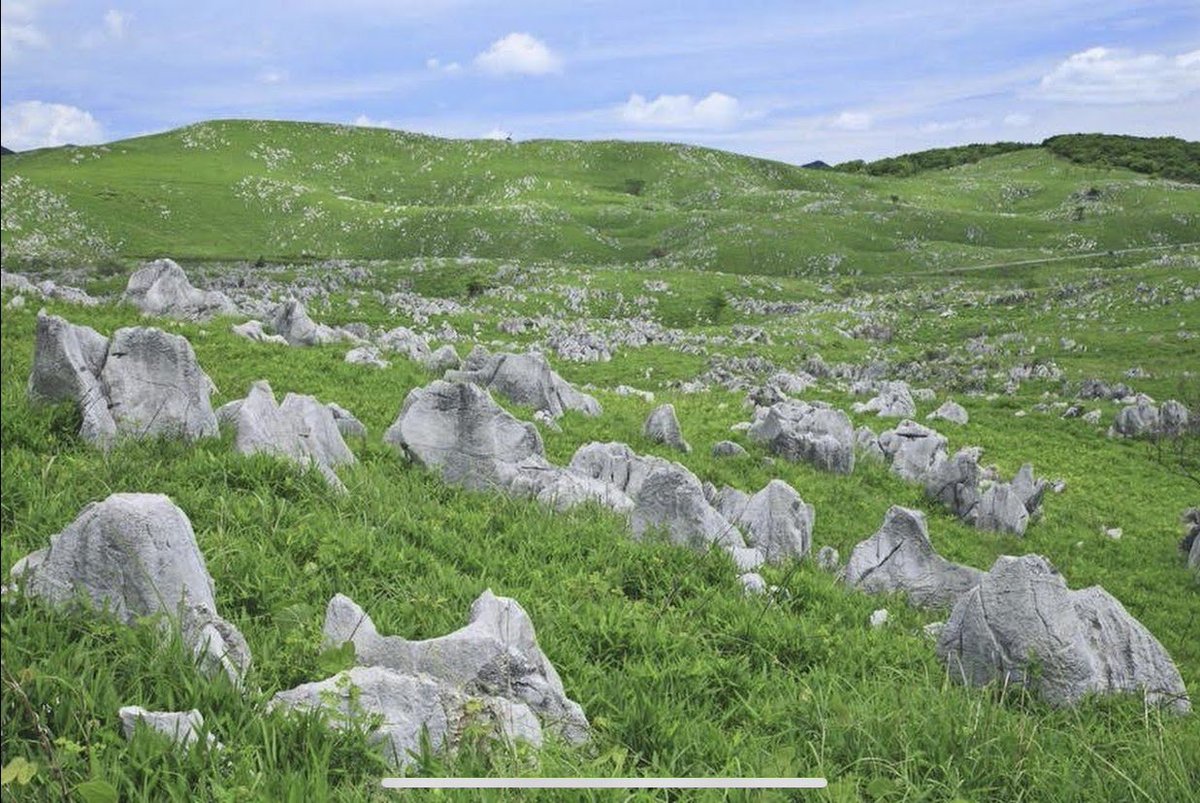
pixel 664 494
pixel 954 481
pixel 182 728
pixel 443 359
pixel 1136 420
pixel 524 379
pixel 136 555
pixel 812 433
pixel 403 340
pixel 728 449
pixel 1173 418
pixel 828 559
pixel 1002 509
pixel 662 426
pixel 366 355
pixel 347 424
pixel 290 320
pixel 912 449
pixel 253 330
pixel 155 385
pixel 301 430
pixel 950 411
pixel 410 709
pixel 893 401
pixel 495 654
pixel 67 363
pixel 900 557
pixel 1023 615
pixel 776 521
pixel 866 445
pixel 162 288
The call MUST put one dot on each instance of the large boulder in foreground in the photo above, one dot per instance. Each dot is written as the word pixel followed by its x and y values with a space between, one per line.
pixel 524 379
pixel 162 288
pixel 155 385
pixel 811 433
pixel 67 362
pixel 1022 626
pixel 495 654
pixel 899 557
pixel 136 555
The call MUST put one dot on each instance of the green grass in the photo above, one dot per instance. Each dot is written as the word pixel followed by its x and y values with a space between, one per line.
pixel 679 673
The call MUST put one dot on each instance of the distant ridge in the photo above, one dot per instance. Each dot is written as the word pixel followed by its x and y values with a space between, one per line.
pixel 817 165
pixel 5 151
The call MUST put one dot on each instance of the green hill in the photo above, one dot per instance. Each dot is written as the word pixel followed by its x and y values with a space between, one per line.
pixel 243 189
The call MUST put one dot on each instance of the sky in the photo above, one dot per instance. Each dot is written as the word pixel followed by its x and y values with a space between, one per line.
pixel 789 80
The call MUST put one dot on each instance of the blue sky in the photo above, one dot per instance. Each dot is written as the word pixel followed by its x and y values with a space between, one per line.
pixel 788 80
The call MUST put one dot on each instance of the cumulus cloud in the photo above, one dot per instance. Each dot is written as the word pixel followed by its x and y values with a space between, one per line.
pixel 1104 75
pixel 852 121
pixel 519 54
pixel 34 124
pixel 18 30
pixel 716 110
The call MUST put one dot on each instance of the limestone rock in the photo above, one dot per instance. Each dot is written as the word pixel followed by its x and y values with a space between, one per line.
pixel 776 521
pixel 663 427
pixel 253 330
pixel 182 728
pixel 524 379
pixel 728 449
pixel 912 449
pixel 811 433
pixel 291 322
pixel 67 363
pixel 950 411
pixel 162 288
pixel 894 400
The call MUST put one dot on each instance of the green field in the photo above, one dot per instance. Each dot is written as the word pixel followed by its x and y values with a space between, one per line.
pixel 679 673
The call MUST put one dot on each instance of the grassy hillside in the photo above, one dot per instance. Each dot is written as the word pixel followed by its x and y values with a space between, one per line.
pixel 241 190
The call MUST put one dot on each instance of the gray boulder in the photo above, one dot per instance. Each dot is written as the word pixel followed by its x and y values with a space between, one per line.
pixel 407 709
pixel 523 379
pixel 443 359
pixel 776 521
pixel 182 728
pixel 950 411
pixel 291 322
pixel 894 400
pixel 1002 509
pixel 811 433
pixel 1022 615
pixel 663 427
pixel 162 288
pixel 366 355
pixel 1173 418
pixel 899 557
pixel 67 363
pixel 136 555
pixel 1136 420
pixel 253 330
pixel 495 654
pixel 403 340
pixel 912 449
pixel 346 422
pixel 954 481
pixel 155 385
pixel 728 449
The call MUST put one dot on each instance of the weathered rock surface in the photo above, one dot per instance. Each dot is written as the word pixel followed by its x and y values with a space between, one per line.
pixel 403 340
pixel 301 430
pixel 1082 642
pixel 1137 420
pixel 347 423
pixel 954 481
pixel 162 288
pixel 912 449
pixel 155 385
pixel 776 521
pixel 812 433
pixel 523 379
pixel 495 654
pixel 366 355
pixel 136 555
pixel 443 359
pixel 900 557
pixel 253 330
pixel 67 362
pixel 291 322
pixel 894 400
pixel 728 449
pixel 662 426
pixel 950 411
pixel 182 728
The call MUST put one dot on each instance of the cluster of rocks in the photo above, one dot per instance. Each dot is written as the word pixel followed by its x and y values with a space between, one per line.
pixel 524 379
pixel 809 432
pixel 490 674
pixel 162 288
pixel 141 382
pixel 919 454
pixel 1145 419
pixel 1018 616
pixel 894 400
pixel 22 287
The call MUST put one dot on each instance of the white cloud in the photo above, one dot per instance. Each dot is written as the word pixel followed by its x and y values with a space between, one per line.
pixel 717 110
pixel 1017 120
pixel 1104 75
pixel 438 66
pixel 852 121
pixel 519 54
pixel 497 133
pixel 115 23
pixel 18 30
pixel 34 124
pixel 965 124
